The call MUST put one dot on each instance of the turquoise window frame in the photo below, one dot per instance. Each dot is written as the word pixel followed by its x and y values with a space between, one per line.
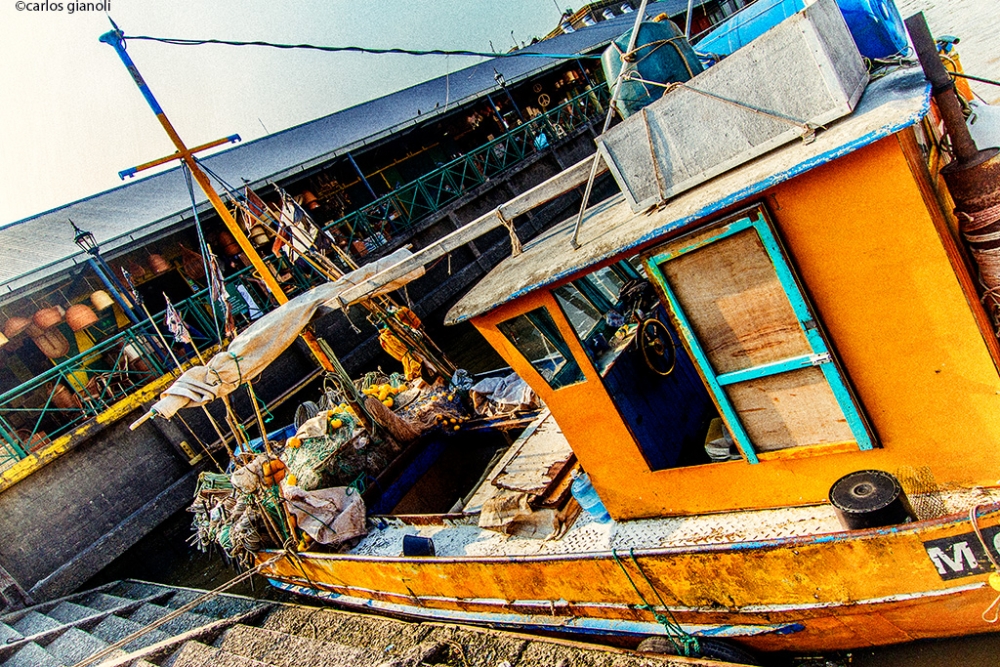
pixel 820 357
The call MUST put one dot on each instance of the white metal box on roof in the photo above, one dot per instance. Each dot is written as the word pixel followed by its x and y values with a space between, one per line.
pixel 802 73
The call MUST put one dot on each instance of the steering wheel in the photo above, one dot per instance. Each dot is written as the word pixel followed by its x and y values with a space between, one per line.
pixel 657 346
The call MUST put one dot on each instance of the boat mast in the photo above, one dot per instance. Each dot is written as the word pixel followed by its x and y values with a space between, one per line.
pixel 116 39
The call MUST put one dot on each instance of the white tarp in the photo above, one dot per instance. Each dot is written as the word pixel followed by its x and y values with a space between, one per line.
pixel 260 344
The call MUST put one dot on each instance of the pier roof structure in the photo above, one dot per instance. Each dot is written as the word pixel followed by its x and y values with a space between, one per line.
pixel 38 248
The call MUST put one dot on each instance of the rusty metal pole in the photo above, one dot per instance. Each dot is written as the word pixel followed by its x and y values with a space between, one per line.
pixel 973 178
pixel 943 89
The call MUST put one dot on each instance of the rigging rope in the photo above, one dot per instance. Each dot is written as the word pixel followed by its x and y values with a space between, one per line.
pixel 994 580
pixel 684 642
pixel 809 129
pixel 202 245
pixel 358 49
pixel 108 650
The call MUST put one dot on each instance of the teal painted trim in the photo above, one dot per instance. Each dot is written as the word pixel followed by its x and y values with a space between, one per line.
pixel 728 410
pixel 841 393
pixel 722 232
pixel 581 625
pixel 814 338
pixel 766 370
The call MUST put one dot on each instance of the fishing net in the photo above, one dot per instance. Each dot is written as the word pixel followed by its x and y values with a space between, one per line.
pixel 316 441
pixel 435 406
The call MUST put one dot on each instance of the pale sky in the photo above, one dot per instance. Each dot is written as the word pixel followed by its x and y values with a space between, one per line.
pixel 71 118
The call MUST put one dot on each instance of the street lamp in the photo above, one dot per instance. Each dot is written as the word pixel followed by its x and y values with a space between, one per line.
pixel 502 82
pixel 85 240
pixel 88 243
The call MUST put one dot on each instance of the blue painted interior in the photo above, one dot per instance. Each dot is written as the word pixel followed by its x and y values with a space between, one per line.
pixel 667 415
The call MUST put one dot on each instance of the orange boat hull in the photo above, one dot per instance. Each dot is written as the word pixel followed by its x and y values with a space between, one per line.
pixel 824 592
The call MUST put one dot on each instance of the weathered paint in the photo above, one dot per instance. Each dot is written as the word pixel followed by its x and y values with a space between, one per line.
pixel 839 591
pixel 889 296
pixel 67 442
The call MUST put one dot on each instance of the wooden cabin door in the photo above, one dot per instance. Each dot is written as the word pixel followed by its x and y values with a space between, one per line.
pixel 758 346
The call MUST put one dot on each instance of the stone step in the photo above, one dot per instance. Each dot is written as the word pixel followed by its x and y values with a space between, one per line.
pixel 8 634
pixel 285 650
pixel 148 613
pixel 67 612
pixel 389 636
pixel 104 601
pixel 196 654
pixel 34 623
pixel 32 655
pixel 219 606
pixel 74 645
pixel 113 629
pixel 136 590
pixel 483 647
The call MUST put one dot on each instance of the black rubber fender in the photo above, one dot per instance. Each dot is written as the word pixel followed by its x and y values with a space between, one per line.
pixel 716 649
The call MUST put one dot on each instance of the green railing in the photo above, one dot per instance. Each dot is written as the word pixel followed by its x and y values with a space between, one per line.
pixel 78 389
pixel 397 212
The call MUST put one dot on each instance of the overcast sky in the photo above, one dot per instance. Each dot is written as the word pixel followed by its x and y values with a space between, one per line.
pixel 71 118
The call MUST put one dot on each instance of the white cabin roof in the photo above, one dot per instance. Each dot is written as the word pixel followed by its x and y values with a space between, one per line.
pixel 610 228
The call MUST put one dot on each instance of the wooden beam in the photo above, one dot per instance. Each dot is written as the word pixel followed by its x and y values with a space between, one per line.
pixel 540 194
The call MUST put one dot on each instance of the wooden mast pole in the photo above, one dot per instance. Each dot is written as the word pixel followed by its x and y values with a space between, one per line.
pixel 116 39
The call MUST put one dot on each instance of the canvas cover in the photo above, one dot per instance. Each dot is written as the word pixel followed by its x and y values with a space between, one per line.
pixel 263 341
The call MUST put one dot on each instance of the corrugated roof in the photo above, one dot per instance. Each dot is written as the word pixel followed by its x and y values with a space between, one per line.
pixel 37 248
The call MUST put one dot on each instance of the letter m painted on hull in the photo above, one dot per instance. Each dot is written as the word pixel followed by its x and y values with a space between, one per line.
pixel 962 555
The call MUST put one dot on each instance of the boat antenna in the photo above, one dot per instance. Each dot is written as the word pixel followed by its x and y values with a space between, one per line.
pixel 626 59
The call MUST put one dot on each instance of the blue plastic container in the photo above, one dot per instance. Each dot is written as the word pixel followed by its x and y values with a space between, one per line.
pixel 584 492
pixel 876 26
pixel 663 55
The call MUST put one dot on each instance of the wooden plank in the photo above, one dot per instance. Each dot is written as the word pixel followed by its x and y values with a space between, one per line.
pixel 790 410
pixel 736 304
pixel 544 192
pixel 539 462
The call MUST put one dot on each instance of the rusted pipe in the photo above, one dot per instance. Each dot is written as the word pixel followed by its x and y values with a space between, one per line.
pixel 943 89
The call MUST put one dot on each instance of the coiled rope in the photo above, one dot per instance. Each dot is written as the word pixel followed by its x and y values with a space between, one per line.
pixel 987 259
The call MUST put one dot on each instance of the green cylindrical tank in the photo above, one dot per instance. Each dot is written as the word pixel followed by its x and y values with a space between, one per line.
pixel 662 55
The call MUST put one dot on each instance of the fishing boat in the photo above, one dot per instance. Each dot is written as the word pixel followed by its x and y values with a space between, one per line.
pixel 769 355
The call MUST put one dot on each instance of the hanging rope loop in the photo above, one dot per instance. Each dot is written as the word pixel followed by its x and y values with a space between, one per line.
pixel 515 243
pixel 994 579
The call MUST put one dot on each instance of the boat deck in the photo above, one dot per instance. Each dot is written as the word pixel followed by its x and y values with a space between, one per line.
pixel 543 449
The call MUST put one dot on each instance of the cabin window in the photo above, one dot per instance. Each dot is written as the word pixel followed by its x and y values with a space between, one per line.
pixel 582 314
pixel 745 319
pixel 537 338
pixel 587 301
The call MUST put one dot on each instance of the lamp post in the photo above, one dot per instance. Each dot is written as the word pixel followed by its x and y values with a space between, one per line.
pixel 502 82
pixel 86 241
